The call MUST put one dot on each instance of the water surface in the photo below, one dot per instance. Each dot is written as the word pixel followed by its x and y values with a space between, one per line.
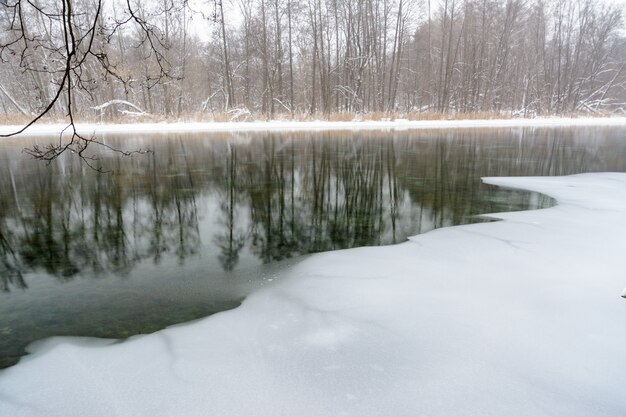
pixel 190 229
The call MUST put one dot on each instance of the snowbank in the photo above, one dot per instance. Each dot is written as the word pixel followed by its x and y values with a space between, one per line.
pixel 400 124
pixel 515 318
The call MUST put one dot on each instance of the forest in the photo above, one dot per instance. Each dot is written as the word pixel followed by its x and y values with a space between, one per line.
pixel 238 59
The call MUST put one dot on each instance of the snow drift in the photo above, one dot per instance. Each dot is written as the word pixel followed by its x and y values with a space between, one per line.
pixel 521 317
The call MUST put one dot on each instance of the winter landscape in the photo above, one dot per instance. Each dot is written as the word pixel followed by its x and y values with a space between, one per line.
pixel 312 208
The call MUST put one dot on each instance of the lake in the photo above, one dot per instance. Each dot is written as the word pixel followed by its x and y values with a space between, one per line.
pixel 191 228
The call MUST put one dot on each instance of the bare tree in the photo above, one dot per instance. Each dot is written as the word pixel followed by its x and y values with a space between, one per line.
pixel 73 37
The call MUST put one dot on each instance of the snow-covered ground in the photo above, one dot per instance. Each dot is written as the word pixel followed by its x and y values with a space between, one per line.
pixel 521 317
pixel 399 124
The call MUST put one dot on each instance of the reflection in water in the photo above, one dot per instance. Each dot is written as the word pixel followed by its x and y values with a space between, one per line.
pixel 67 220
pixel 202 206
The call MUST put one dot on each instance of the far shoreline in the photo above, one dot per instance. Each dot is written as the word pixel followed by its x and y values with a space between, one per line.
pixel 314 125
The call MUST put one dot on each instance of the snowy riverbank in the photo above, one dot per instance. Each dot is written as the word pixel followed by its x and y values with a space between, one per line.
pixel 400 124
pixel 521 317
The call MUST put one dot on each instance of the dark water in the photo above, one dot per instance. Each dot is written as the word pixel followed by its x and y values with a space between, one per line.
pixel 192 228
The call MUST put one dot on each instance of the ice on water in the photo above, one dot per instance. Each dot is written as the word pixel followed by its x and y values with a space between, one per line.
pixel 521 317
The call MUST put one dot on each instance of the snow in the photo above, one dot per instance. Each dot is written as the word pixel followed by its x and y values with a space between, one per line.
pixel 278 125
pixel 521 317
pixel 118 102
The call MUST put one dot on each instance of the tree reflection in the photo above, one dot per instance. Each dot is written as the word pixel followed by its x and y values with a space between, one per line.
pixel 49 240
pixel 277 196
pixel 231 242
pixel 73 221
pixel 10 267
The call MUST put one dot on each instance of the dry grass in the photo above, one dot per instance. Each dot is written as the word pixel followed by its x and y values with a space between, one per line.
pixel 243 115
pixel 424 116
pixel 378 116
pixel 481 116
pixel 580 114
pixel 220 117
pixel 17 119
pixel 340 117
pixel 457 116
pixel 239 114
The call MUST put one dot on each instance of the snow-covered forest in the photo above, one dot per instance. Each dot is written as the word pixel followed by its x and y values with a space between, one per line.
pixel 276 58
